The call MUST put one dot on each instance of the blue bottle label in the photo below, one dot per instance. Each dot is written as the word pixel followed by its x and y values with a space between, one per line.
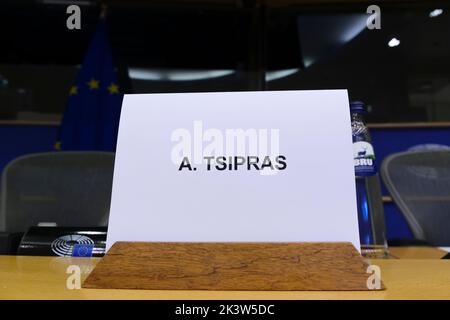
pixel 364 158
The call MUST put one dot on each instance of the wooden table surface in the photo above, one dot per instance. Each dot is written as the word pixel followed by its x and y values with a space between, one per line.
pixel 417 252
pixel 45 278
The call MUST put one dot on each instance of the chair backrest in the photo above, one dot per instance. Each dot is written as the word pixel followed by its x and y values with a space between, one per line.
pixel 72 189
pixel 419 183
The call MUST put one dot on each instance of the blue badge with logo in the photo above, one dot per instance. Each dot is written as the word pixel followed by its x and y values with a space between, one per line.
pixel 82 250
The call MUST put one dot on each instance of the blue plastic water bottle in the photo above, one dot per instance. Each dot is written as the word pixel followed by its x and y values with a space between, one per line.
pixel 370 207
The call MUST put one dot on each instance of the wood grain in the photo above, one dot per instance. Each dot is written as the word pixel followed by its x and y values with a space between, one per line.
pixel 230 266
pixel 46 278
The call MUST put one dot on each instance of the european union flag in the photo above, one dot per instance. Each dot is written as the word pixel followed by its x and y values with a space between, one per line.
pixel 91 118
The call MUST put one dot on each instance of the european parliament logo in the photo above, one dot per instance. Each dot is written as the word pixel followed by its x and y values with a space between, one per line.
pixel 82 250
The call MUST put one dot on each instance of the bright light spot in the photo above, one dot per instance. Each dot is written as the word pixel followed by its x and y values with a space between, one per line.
pixel 435 13
pixel 393 42
pixel 274 75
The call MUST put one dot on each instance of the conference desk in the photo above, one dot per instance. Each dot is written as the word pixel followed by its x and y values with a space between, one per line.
pixel 419 275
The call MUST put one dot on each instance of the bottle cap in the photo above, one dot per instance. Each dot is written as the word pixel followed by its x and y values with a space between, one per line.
pixel 358 107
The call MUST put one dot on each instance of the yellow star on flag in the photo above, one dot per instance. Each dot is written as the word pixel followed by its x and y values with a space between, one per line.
pixel 113 88
pixel 73 90
pixel 57 145
pixel 93 84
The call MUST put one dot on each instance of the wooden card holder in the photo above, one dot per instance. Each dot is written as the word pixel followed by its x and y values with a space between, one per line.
pixel 230 266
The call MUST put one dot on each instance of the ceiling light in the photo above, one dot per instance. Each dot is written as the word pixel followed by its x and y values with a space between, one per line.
pixel 278 74
pixel 176 75
pixel 435 13
pixel 393 42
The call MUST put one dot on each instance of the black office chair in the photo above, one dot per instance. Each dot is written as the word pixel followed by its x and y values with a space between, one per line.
pixel 71 189
pixel 419 183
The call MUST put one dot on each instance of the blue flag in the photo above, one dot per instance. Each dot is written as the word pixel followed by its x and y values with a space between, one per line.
pixel 91 118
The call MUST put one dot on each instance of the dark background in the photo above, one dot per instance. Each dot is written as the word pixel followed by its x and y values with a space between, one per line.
pixel 221 45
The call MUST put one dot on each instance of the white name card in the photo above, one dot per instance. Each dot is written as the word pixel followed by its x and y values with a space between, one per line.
pixel 235 166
